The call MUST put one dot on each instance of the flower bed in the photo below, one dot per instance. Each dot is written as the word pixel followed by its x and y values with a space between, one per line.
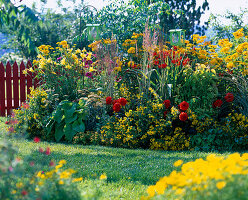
pixel 144 94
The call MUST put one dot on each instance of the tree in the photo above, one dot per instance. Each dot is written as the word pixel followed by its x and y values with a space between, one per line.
pixel 16 18
pixel 122 18
pixel 224 30
pixel 188 19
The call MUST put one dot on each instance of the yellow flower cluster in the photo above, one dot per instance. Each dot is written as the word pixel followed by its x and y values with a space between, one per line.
pixel 57 173
pixel 239 33
pixel 199 174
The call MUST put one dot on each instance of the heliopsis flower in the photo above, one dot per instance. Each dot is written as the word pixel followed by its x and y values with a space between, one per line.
pixel 178 163
pixel 183 116
pixel 184 106
pixel 221 185
pixel 238 34
pixel 103 176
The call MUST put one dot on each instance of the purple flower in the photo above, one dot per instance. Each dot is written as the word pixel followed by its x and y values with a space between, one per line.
pixel 59 58
pixel 11 169
pixel 118 79
pixel 89 74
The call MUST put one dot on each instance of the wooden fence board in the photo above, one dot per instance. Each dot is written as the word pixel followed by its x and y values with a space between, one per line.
pixel 14 86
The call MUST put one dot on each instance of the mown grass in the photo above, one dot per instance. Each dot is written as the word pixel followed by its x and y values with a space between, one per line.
pixel 129 172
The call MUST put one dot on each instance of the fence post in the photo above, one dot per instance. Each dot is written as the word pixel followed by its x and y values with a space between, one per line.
pixel 9 88
pixel 22 83
pixel 16 85
pixel 2 90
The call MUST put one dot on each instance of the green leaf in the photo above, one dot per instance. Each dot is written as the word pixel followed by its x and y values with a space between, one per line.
pixel 78 126
pixel 59 132
pixel 71 119
pixel 49 126
pixel 70 111
pixel 58 115
pixel 69 132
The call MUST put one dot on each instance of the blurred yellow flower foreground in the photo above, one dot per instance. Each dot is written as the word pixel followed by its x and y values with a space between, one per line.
pixel 204 179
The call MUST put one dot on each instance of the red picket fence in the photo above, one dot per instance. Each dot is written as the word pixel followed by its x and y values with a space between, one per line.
pixel 14 86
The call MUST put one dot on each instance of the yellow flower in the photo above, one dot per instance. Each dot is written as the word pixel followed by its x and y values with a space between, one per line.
pixel 238 34
pixel 77 179
pixel 13 192
pixel 62 162
pixel 92 69
pixel 220 184
pixel 131 50
pixel 61 182
pixel 19 185
pixel 178 163
pixel 103 176
pixel 230 65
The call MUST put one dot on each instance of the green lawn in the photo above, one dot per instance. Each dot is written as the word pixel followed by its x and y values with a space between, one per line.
pixel 129 172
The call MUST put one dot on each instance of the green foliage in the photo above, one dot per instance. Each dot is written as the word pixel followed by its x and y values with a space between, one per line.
pixel 67 120
pixel 122 19
pixel 199 88
pixel 19 19
pixel 225 134
pixel 188 19
pixel 22 179
pixel 29 119
pixel 225 30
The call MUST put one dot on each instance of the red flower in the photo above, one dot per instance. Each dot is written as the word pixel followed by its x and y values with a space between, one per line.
pixel 24 192
pixel 36 139
pixel 25 105
pixel 167 103
pixel 7 122
pixel 41 150
pixel 117 107
pixel 115 101
pixel 122 101
pixel 229 97
pixel 48 151
pixel 163 66
pixel 108 100
pixel 183 116
pixel 165 114
pixel 31 163
pixel 184 106
pixel 217 103
pixel 51 164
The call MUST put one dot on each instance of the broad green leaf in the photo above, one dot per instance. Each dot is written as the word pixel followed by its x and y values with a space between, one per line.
pixel 71 119
pixel 69 132
pixel 59 133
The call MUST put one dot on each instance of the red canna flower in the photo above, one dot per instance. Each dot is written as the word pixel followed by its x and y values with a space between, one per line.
pixel 184 106
pixel 117 107
pixel 183 116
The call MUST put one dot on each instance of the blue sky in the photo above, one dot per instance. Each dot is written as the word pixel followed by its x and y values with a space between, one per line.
pixel 216 6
